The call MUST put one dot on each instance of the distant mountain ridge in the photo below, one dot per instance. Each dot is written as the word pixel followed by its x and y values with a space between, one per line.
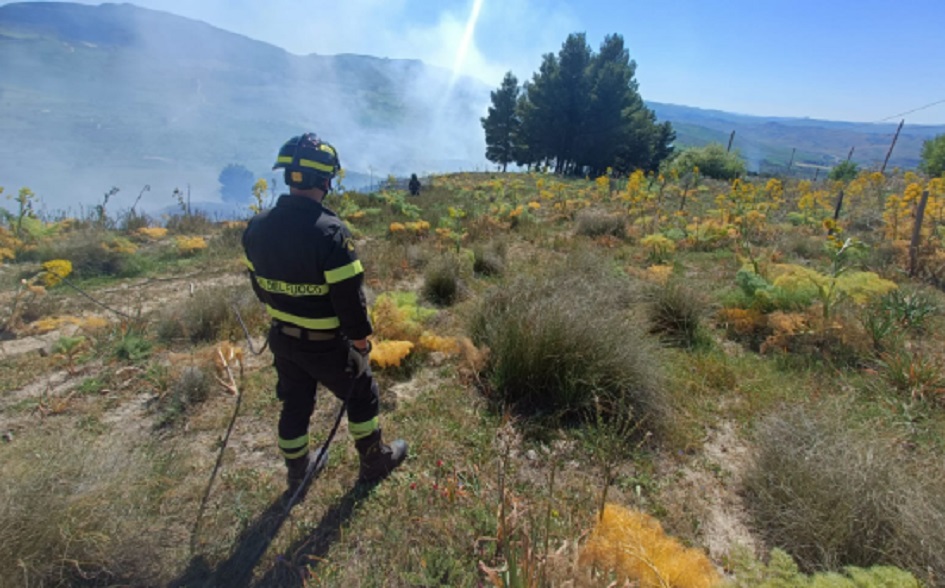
pixel 117 95
pixel 767 142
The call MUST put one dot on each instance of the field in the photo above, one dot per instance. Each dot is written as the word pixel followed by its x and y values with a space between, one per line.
pixel 643 381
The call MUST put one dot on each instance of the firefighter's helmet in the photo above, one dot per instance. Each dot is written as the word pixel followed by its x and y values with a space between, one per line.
pixel 308 161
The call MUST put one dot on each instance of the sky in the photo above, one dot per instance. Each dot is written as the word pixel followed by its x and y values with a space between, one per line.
pixel 863 61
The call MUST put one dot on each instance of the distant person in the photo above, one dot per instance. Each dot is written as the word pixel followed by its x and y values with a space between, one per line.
pixel 303 266
pixel 414 185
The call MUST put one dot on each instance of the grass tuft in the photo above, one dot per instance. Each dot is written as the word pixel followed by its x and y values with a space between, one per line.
pixel 560 340
pixel 442 280
pixel 72 513
pixel 209 316
pixel 596 223
pixel 676 315
pixel 833 496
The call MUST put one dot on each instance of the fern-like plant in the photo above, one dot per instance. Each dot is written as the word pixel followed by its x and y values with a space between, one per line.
pixel 634 547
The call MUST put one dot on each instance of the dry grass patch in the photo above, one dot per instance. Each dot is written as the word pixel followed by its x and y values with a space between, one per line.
pixel 833 495
pixel 209 315
pixel 79 512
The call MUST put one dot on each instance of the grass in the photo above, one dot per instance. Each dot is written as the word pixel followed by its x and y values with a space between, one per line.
pixel 516 446
pixel 74 513
pixel 833 495
pixel 560 344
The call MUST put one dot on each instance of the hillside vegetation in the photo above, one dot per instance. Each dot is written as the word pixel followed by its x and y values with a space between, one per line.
pixel 648 381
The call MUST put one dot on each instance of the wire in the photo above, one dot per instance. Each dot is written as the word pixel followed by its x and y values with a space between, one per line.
pixel 216 468
pixel 936 103
pixel 89 296
pixel 249 339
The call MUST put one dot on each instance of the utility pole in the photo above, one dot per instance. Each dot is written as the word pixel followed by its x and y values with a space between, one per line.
pixel 731 138
pixel 850 156
pixel 791 163
pixel 895 138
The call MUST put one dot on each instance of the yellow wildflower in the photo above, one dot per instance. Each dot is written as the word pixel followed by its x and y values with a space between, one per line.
pixel 56 270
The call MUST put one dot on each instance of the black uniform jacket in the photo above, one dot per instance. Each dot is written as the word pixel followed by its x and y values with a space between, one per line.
pixel 303 266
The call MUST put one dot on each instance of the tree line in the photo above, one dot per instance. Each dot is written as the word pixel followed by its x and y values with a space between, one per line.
pixel 580 114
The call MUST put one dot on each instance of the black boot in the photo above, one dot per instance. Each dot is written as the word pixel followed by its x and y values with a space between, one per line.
pixel 296 468
pixel 378 459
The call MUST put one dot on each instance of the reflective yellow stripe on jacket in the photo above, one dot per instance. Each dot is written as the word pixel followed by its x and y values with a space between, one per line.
pixel 320 324
pixel 344 272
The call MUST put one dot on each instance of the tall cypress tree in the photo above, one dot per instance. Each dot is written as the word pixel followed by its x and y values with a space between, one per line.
pixel 502 123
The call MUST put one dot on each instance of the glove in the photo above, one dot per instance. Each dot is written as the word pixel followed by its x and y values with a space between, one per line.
pixel 358 360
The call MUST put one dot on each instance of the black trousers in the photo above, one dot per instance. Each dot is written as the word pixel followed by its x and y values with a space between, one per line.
pixel 301 365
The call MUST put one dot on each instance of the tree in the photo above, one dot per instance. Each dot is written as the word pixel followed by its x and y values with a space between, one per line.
pixel 571 89
pixel 844 172
pixel 536 111
pixel 614 102
pixel 933 156
pixel 237 184
pixel 582 111
pixel 502 124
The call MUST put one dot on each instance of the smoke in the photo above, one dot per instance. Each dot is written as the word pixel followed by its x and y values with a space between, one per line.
pixel 124 96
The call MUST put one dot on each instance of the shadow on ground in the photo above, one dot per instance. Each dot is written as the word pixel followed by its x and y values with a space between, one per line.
pixel 291 567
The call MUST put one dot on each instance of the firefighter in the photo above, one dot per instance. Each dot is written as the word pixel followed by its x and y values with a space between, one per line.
pixel 414 185
pixel 303 267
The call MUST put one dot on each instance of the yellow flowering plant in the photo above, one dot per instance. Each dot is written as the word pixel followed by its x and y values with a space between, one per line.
pixel 189 245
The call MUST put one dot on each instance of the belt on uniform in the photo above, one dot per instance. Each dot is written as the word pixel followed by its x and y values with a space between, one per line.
pixel 300 333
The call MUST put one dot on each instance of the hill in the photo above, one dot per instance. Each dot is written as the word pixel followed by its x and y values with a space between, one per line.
pixel 93 97
pixel 96 96
pixel 767 142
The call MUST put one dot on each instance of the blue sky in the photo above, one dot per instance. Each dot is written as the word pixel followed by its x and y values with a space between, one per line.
pixel 867 60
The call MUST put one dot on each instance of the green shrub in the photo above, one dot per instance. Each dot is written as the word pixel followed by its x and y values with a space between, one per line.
pixel 209 316
pixel 834 496
pixel 844 171
pixel 910 310
pixel 133 346
pixel 800 245
pixel 712 160
pixel 96 254
pixel 933 156
pixel 782 572
pixel 561 340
